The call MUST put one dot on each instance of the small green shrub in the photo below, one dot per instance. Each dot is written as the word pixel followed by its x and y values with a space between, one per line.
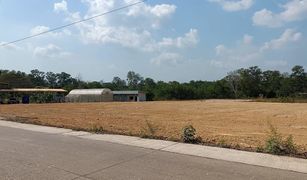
pixel 274 141
pixel 222 143
pixel 97 129
pixel 150 128
pixel 259 149
pixel 189 135
pixel 148 131
pixel 289 145
pixel 237 146
pixel 130 133
pixel 276 145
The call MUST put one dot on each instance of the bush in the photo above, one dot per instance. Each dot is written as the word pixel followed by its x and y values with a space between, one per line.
pixel 97 129
pixel 148 130
pixel 290 147
pixel 276 145
pixel 222 143
pixel 189 135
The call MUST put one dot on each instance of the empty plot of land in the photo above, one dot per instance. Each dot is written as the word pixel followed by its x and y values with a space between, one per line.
pixel 234 122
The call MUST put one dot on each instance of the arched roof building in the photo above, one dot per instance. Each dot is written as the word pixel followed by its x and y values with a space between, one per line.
pixel 90 95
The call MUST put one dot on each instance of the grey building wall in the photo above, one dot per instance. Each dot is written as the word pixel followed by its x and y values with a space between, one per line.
pixel 129 96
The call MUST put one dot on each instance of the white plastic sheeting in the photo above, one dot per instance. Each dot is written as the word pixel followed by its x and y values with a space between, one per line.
pixel 90 95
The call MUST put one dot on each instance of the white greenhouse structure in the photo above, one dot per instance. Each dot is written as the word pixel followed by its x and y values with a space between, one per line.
pixel 90 95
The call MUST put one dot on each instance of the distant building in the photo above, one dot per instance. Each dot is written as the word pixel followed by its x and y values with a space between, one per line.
pixel 90 95
pixel 104 95
pixel 24 95
pixel 4 85
pixel 129 96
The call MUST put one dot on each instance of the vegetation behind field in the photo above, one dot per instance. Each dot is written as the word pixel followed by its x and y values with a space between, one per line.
pixel 242 83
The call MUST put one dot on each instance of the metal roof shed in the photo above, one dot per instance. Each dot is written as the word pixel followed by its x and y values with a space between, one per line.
pixel 37 95
pixel 32 90
pixel 129 96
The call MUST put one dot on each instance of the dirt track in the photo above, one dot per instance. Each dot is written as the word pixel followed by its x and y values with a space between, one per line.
pixel 235 122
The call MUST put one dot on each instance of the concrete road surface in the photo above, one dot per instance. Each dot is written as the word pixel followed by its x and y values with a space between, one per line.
pixel 32 155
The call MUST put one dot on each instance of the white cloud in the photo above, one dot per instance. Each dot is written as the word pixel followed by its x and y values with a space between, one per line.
pixel 50 51
pixel 137 39
pixel 66 32
pixel 167 59
pixel 160 10
pixel 289 35
pixel 72 17
pixel 61 6
pixel 234 57
pixel 266 18
pixel 293 10
pixel 248 39
pixel 154 14
pixel 163 10
pixel 247 54
pixel 134 27
pixel 9 46
pixel 39 29
pixel 220 49
pixel 188 40
pixel 244 53
pixel 99 6
pixel 123 36
pixel 234 5
pixel 218 63
pixel 122 30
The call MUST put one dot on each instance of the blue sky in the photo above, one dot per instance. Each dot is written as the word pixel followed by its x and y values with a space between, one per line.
pixel 166 40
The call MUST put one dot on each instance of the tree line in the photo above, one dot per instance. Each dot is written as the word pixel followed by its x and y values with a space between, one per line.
pixel 249 82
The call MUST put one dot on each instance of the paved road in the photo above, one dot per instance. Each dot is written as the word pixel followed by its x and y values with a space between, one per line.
pixel 31 155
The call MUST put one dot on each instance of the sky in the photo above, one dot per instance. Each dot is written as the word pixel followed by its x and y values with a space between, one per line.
pixel 167 40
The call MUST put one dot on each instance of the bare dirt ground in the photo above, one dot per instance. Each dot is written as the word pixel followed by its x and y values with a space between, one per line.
pixel 239 123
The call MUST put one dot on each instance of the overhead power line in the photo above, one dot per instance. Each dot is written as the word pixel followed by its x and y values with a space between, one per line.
pixel 73 23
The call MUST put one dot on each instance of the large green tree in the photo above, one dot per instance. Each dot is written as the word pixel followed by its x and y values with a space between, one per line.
pixel 251 81
pixel 38 78
pixel 298 79
pixel 271 83
pixel 118 83
pixel 134 80
pixel 15 79
pixel 52 79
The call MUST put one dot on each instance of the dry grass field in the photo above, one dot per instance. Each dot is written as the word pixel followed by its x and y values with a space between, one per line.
pixel 234 122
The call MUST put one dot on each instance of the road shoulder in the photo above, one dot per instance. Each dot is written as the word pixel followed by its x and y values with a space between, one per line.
pixel 250 158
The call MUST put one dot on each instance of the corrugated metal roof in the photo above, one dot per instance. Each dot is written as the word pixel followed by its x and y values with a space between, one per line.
pixel 126 92
pixel 32 90
pixel 90 91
